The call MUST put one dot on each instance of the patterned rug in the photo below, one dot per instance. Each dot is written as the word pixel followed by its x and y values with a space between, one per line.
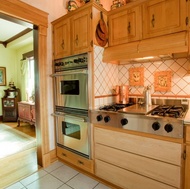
pixel 13 141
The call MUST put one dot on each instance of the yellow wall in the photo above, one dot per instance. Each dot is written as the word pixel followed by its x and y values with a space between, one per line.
pixel 10 58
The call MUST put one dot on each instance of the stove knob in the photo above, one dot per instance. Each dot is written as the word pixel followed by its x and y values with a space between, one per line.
pixel 107 119
pixel 99 118
pixel 156 126
pixel 124 121
pixel 168 128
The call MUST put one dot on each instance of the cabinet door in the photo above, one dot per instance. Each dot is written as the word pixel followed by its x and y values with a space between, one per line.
pixel 125 26
pixel 61 38
pixel 81 32
pixel 187 167
pixel 161 17
pixel 187 161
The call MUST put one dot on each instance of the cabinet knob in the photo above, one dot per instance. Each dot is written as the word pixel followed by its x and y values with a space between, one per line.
pixel 129 27
pixel 153 21
pixel 80 162
pixel 76 40
pixel 63 44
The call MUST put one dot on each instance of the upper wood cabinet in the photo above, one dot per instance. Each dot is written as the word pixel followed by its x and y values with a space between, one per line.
pixel 81 39
pixel 73 32
pixel 161 17
pixel 61 38
pixel 125 25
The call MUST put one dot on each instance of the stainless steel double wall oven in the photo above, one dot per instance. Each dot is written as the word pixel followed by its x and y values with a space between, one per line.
pixel 72 104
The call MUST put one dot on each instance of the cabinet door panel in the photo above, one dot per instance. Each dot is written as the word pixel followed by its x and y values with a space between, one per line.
pixel 81 32
pixel 162 17
pixel 61 37
pixel 187 167
pixel 125 26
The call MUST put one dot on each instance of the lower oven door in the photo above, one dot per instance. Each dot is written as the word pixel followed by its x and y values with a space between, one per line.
pixel 73 134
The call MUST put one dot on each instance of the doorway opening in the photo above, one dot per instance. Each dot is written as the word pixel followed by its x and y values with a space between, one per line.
pixel 19 142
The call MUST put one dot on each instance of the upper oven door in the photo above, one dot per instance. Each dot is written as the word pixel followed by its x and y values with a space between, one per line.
pixel 72 89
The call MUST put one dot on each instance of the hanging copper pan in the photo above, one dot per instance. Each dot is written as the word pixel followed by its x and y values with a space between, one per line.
pixel 101 32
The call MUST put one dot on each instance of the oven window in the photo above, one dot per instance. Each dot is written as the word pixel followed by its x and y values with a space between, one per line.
pixel 71 130
pixel 70 87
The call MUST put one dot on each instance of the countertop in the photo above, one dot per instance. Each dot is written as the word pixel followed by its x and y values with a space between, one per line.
pixel 138 109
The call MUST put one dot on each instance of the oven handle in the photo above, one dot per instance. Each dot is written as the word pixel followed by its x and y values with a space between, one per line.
pixel 78 118
pixel 82 71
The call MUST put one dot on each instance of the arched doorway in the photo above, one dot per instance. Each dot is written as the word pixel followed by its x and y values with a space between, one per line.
pixel 38 18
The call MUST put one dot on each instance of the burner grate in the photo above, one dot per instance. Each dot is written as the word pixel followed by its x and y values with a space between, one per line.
pixel 115 107
pixel 169 111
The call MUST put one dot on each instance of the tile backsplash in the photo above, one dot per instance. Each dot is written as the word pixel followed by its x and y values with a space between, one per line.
pixel 109 75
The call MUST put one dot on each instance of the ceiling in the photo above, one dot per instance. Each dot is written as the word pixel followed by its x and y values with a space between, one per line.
pixel 15 33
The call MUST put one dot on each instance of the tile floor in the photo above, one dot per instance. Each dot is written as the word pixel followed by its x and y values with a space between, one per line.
pixel 58 176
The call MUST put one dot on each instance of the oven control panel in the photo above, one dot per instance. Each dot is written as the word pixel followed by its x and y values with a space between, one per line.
pixel 73 62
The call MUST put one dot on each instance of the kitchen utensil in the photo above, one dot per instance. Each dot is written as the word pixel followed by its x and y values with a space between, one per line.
pixel 124 94
pixel 101 32
pixel 147 95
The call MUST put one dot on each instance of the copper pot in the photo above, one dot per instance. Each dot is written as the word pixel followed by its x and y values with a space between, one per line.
pixel 123 94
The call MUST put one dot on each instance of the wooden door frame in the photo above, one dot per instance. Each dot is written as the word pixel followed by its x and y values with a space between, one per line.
pixel 39 19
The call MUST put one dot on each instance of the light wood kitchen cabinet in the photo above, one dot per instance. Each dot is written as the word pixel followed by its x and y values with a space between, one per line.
pixel 135 162
pixel 81 40
pixel 79 161
pixel 26 112
pixel 72 33
pixel 61 38
pixel 162 17
pixel 187 160
pixel 125 25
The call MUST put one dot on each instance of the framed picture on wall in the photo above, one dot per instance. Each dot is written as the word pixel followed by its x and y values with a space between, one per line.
pixel 162 81
pixel 136 76
pixel 2 76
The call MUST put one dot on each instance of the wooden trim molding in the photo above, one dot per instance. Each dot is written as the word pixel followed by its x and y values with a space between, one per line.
pixel 39 19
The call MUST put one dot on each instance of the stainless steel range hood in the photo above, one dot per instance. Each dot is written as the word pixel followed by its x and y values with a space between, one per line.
pixel 164 47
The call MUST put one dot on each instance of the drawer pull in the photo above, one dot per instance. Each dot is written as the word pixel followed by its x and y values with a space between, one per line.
pixel 64 154
pixel 153 21
pixel 80 162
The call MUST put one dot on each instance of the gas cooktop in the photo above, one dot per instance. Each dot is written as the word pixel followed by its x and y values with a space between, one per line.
pixel 157 119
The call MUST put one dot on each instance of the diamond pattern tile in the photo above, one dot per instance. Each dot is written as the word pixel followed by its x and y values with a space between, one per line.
pixel 109 75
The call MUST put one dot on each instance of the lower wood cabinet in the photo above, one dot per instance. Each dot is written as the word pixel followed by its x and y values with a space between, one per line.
pixel 136 162
pixel 75 159
pixel 187 160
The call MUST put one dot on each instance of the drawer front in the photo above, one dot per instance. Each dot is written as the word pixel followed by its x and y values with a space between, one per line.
pixel 144 166
pixel 157 149
pixel 126 179
pixel 76 160
pixel 24 111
